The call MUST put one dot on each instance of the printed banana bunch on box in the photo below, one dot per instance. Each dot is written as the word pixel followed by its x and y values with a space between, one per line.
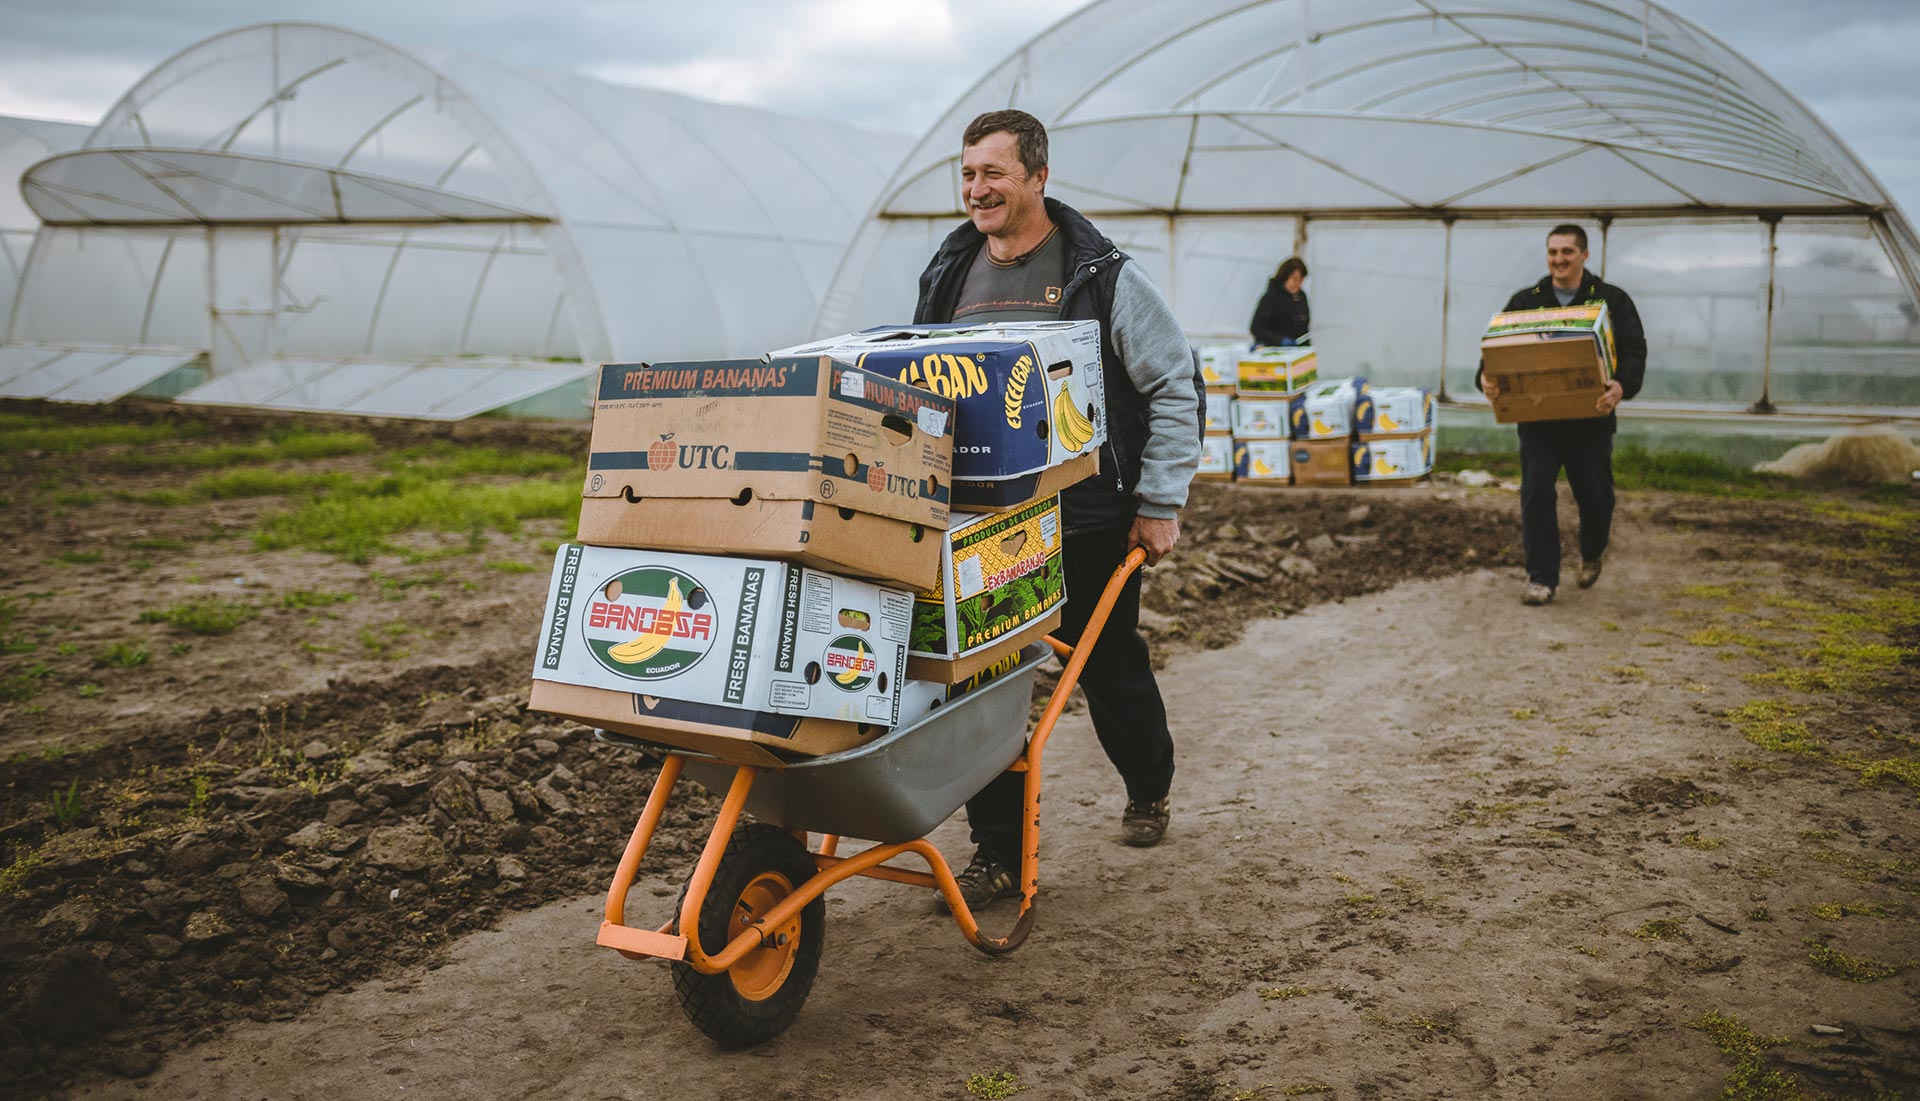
pixel 1261 461
pixel 1380 459
pixel 1394 411
pixel 1075 430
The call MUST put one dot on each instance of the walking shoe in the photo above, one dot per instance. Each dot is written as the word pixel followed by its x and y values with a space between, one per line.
pixel 985 881
pixel 1536 594
pixel 1142 825
pixel 1589 572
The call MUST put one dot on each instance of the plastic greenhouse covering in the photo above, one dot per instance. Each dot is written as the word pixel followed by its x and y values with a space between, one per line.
pixel 23 143
pixel 307 204
pixel 1414 153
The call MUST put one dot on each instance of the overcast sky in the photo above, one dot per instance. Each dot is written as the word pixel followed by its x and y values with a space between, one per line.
pixel 891 64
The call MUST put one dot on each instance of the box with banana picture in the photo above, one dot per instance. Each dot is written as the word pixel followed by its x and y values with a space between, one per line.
pixel 1002 584
pixel 1262 461
pixel 1030 396
pixel 1220 365
pixel 1216 458
pixel 1394 411
pixel 1270 370
pixel 1219 409
pixel 1260 417
pixel 1392 460
pixel 752 634
pixel 1324 411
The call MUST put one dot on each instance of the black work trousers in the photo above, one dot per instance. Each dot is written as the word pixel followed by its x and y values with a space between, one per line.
pixel 1585 450
pixel 1123 699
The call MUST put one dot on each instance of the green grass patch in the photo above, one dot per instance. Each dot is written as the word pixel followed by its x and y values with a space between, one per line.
pixel 1841 965
pixel 450 460
pixel 1771 725
pixel 124 655
pixel 207 615
pixel 288 447
pixel 357 527
pixel 23 684
pixel 1834 911
pixel 67 439
pixel 384 641
pixel 78 558
pixel 1661 929
pixel 1751 1079
pixel 510 567
pixel 999 1084
pixel 313 598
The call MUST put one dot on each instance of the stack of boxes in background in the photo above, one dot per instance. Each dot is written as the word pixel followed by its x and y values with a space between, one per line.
pixel 1286 426
pixel 769 563
pixel 1266 380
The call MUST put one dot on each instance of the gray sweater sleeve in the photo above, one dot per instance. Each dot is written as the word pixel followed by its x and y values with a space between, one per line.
pixel 1159 360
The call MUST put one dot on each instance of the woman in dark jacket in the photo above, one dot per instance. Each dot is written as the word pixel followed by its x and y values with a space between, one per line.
pixel 1281 316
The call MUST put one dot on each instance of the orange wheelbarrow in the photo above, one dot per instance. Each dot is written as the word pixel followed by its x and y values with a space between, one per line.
pixel 745 941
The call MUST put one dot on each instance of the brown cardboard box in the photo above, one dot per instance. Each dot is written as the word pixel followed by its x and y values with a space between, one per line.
pixel 1550 364
pixel 732 734
pixel 1321 462
pixel 1000 573
pixel 1216 458
pixel 721 456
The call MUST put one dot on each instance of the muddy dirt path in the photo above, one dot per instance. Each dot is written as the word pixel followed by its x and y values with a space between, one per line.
pixel 1425 844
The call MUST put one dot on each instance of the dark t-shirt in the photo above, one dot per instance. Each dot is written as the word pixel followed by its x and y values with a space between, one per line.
pixel 1026 289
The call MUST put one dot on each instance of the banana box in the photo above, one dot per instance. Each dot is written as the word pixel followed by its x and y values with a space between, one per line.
pixel 1260 417
pixel 1219 409
pixel 919 698
pixel 1392 460
pixel 1216 458
pixel 1262 461
pixel 1266 370
pixel 1030 397
pixel 801 459
pixel 753 635
pixel 1550 364
pixel 1325 410
pixel 1394 411
pixel 1002 584
pixel 1320 462
pixel 1220 365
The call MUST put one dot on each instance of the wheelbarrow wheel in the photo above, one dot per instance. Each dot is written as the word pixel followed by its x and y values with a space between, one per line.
pixel 760 995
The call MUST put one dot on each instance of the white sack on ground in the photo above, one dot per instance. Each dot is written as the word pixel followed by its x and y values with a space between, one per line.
pixel 1880 453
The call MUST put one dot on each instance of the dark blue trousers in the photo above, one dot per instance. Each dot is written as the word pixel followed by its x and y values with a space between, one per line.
pixel 1584 449
pixel 1123 699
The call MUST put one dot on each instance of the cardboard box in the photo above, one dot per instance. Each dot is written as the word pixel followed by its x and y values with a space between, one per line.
pixel 1260 417
pixel 1325 410
pixel 1220 365
pixel 1216 458
pixel 1262 461
pixel 1392 460
pixel 1550 364
pixel 1000 574
pixel 800 459
pixel 750 634
pixel 732 734
pixel 1388 411
pixel 1320 462
pixel 1219 409
pixel 1030 396
pixel 1277 370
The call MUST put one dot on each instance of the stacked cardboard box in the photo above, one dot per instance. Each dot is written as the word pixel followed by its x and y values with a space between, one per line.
pixel 1030 421
pixel 750 533
pixel 1394 429
pixel 1550 364
pixel 1320 421
pixel 1265 382
pixel 769 557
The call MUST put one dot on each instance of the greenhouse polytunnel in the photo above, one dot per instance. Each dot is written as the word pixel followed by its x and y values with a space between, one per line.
pixel 23 143
pixel 300 216
pixel 1414 153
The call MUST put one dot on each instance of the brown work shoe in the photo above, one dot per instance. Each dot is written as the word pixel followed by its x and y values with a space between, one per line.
pixel 1589 573
pixel 985 881
pixel 1142 825
pixel 1536 594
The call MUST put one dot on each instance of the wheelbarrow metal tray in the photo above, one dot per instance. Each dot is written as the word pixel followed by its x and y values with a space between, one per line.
pixel 899 787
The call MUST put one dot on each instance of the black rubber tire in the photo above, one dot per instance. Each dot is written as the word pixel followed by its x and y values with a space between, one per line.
pixel 714 1003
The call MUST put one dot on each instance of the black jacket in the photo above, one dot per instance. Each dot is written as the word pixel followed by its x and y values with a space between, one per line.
pixel 1279 316
pixel 1107 499
pixel 1629 338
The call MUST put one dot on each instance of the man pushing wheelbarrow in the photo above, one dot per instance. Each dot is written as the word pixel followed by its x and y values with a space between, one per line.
pixel 1093 381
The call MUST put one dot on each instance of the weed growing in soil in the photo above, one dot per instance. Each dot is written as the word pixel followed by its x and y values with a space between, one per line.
pixel 1770 724
pixel 312 598
pixel 356 525
pixel 1751 1080
pixel 67 805
pixel 1661 929
pixel 283 447
pixel 1834 911
pixel 50 435
pixel 22 684
pixel 997 1084
pixel 207 615
pixel 124 655
pixel 1852 968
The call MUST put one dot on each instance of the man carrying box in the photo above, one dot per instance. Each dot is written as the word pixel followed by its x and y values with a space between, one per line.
pixel 1043 261
pixel 1584 446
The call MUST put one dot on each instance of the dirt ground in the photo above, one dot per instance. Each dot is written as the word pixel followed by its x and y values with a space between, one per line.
pixel 1654 840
